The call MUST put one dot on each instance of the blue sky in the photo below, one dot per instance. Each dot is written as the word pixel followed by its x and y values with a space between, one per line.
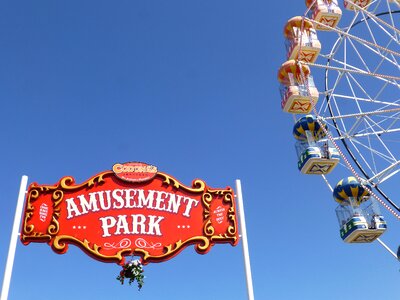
pixel 189 86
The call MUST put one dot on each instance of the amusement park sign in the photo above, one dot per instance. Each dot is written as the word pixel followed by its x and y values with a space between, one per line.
pixel 131 210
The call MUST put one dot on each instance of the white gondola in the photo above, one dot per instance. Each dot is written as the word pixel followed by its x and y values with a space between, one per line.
pixel 326 12
pixel 301 40
pixel 297 89
pixel 355 4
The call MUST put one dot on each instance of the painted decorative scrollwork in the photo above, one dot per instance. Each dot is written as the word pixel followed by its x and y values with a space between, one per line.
pixel 124 243
pixel 143 244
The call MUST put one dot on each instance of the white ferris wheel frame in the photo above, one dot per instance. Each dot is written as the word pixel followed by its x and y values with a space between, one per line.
pixel 365 130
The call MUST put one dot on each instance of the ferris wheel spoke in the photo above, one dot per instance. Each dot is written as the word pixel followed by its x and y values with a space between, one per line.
pixel 361 104
pixel 351 69
pixel 376 19
pixel 377 127
pixel 349 82
pixel 345 34
pixel 397 63
pixel 358 145
pixel 385 174
pixel 356 138
pixel 329 94
pixel 363 114
pixel 383 59
pixel 374 161
pixel 382 107
pixel 383 29
pixel 360 57
pixel 354 70
pixel 345 66
pixel 379 138
pixel 380 54
pixel 395 120
pixel 378 158
pixel 374 49
pixel 355 126
pixel 360 155
pixel 357 135
pixel 367 100
pixel 333 105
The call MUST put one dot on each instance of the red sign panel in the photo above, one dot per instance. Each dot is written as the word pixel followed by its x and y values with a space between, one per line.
pixel 110 216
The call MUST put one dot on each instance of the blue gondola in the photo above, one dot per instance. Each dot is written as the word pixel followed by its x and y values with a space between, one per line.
pixel 359 216
pixel 316 154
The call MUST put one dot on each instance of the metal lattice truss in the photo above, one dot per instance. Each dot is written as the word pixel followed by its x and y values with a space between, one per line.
pixel 362 93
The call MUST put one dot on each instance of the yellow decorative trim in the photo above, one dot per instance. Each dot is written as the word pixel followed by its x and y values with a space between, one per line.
pixel 35 237
pixel 60 243
pixel 198 185
pixel 208 229
pixel 66 183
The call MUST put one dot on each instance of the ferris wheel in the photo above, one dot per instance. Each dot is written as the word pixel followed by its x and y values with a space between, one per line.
pixel 350 114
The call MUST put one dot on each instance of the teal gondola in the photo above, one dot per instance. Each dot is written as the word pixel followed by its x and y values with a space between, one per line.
pixel 315 153
pixel 359 216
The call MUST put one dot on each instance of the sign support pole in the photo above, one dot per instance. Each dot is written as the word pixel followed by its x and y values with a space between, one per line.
pixel 245 245
pixel 14 238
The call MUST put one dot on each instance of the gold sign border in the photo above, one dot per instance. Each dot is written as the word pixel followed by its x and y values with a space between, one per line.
pixel 59 243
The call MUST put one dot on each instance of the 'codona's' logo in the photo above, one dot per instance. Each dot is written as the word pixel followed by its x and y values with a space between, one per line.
pixel 135 171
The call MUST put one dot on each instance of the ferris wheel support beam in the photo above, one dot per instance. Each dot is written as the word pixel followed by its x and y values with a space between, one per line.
pixel 364 114
pixel 342 137
pixel 345 70
pixel 355 126
pixel 361 99
pixel 386 247
pixel 362 41
pixel 378 52
pixel 375 125
pixel 386 171
pixel 390 175
pixel 376 19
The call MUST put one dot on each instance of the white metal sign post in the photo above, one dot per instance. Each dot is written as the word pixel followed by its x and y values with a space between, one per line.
pixel 17 222
pixel 245 244
pixel 14 238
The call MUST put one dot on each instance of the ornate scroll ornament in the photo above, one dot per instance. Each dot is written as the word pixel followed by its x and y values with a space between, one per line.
pixel 57 194
pixel 124 243
pixel 143 244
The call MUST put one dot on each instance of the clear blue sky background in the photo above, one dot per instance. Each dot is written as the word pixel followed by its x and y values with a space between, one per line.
pixel 189 86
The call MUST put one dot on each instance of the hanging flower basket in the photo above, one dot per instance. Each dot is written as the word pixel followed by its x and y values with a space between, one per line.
pixel 133 270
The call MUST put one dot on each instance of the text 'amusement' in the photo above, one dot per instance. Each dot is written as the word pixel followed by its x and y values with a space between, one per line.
pixel 130 199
